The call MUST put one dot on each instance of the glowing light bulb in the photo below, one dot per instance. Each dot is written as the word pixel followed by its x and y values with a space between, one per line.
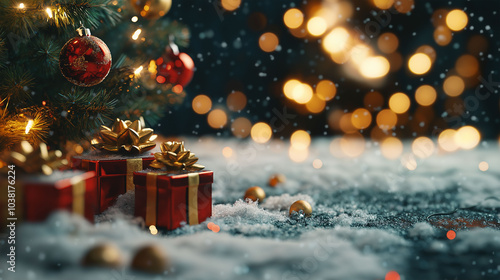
pixel 28 126
pixel 136 34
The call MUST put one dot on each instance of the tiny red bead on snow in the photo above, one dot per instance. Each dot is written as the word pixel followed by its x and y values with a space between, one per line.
pixel 85 60
pixel 175 69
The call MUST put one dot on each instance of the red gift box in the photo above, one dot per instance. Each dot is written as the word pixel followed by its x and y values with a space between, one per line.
pixel 170 199
pixel 37 196
pixel 114 175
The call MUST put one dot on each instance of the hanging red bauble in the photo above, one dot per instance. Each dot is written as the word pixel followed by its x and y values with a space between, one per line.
pixel 174 67
pixel 85 60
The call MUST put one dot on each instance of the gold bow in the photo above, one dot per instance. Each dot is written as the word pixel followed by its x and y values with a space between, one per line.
pixel 126 136
pixel 34 160
pixel 174 156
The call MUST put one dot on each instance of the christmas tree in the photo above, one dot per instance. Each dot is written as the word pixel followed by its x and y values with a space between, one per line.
pixel 37 102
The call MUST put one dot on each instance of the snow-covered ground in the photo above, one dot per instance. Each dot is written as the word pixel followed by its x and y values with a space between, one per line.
pixel 369 218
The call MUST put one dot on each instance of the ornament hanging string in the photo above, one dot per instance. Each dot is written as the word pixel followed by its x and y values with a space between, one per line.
pixel 463 208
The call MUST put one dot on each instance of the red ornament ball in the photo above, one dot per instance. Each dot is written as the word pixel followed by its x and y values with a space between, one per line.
pixel 177 69
pixel 85 60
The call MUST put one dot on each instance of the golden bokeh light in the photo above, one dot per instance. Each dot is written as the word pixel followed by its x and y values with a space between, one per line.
pixel 483 166
pixel 386 119
pixel 352 145
pixel 236 101
pixel 429 51
pixel 217 119
pixel 293 18
pixel 467 66
pixel 404 6
pixel 202 104
pixel 317 163
pixel 442 35
pixel 268 42
pixel 241 127
pixel 361 118
pixel 337 40
pixel 399 103
pixel 391 147
pixel 230 5
pixel 373 100
pixel 419 63
pixel 298 155
pixel 326 90
pixel 289 86
pixel 388 43
pixel 456 20
pixel 383 4
pixel 446 140
pixel 453 86
pixel 302 93
pixel 375 67
pixel 316 104
pixel 316 26
pixel 425 95
pixel 409 162
pixel 467 137
pixel 359 53
pixel 345 123
pixel 300 140
pixel 227 152
pixel 423 147
pixel 261 132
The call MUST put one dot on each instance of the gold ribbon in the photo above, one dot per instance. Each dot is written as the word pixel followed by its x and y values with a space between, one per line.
pixel 133 164
pixel 151 191
pixel 194 182
pixel 78 190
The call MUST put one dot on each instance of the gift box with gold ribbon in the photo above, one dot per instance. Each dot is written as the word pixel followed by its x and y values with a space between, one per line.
pixel 170 199
pixel 124 149
pixel 114 174
pixel 34 187
pixel 37 196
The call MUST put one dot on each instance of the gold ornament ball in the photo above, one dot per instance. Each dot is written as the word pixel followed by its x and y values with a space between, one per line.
pixel 150 259
pixel 104 255
pixel 276 179
pixel 301 205
pixel 152 9
pixel 255 193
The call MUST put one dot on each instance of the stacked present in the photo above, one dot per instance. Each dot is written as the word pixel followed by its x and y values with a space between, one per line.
pixel 171 189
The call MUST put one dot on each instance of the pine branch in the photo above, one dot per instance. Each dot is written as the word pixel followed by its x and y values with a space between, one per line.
pixel 45 53
pixel 82 112
pixel 15 85
pixel 34 15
